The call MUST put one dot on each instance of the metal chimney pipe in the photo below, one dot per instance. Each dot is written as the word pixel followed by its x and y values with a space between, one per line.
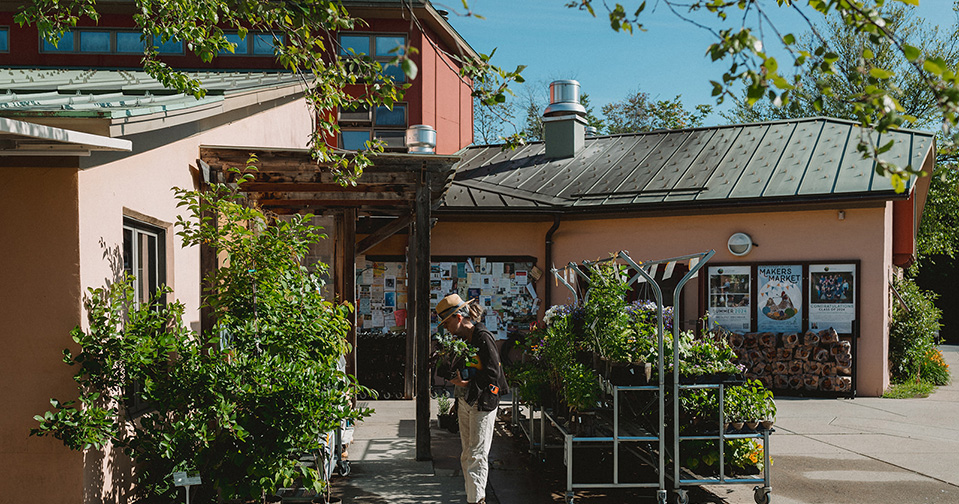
pixel 421 139
pixel 564 99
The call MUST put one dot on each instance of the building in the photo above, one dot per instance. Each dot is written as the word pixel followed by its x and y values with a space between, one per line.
pixel 781 199
pixel 91 148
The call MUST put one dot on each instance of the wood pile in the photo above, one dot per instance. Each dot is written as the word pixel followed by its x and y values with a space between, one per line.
pixel 814 361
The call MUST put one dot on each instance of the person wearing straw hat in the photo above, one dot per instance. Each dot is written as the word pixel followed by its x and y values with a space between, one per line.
pixel 477 410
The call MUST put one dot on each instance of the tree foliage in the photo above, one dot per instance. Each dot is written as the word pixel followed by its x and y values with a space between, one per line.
pixel 238 404
pixel 939 229
pixel 638 112
pixel 743 31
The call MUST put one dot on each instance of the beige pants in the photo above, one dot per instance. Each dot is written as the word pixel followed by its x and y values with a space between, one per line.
pixel 476 435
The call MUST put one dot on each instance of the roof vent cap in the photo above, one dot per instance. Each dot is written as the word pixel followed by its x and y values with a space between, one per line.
pixel 421 139
pixel 564 99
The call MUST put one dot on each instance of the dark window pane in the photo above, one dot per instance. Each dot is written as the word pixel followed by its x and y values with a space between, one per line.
pixel 355 115
pixel 390 45
pixel 129 42
pixel 169 47
pixel 360 44
pixel 4 40
pixel 128 251
pixel 242 46
pixel 95 41
pixel 394 72
pixel 393 139
pixel 387 117
pixel 263 43
pixel 354 140
pixel 65 44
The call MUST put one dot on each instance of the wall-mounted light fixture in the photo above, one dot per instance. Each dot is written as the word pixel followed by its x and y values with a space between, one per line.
pixel 842 215
pixel 739 244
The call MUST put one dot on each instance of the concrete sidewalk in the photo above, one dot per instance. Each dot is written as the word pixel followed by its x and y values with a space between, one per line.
pixel 825 451
pixel 868 449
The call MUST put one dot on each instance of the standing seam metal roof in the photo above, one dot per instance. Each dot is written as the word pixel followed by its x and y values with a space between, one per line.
pixel 119 93
pixel 801 159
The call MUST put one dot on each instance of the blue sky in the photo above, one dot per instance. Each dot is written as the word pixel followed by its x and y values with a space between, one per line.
pixel 556 42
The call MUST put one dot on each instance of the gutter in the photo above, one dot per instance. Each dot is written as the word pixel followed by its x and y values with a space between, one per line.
pixel 548 259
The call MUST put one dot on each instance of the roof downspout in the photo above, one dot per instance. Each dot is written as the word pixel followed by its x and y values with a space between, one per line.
pixel 548 260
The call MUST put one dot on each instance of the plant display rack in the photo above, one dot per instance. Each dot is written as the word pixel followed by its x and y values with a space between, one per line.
pixel 650 445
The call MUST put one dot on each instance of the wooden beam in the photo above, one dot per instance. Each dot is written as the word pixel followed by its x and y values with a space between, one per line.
pixel 325 203
pixel 293 193
pixel 409 376
pixel 422 309
pixel 263 187
pixel 387 230
pixel 349 282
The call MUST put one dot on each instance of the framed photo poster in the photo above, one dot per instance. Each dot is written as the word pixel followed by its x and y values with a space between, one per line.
pixel 729 297
pixel 779 298
pixel 832 297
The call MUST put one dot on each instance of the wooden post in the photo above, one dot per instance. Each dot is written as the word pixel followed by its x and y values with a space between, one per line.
pixel 208 258
pixel 421 283
pixel 409 390
pixel 349 281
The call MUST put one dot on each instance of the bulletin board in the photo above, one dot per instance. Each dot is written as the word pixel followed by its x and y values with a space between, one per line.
pixel 503 285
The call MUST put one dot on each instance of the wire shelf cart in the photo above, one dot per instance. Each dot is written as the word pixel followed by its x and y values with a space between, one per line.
pixel 635 440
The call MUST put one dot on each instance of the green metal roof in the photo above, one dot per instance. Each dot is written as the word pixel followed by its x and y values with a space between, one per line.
pixel 118 93
pixel 773 162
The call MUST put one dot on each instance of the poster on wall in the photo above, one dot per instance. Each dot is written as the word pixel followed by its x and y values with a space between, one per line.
pixel 832 300
pixel 501 287
pixel 729 295
pixel 779 298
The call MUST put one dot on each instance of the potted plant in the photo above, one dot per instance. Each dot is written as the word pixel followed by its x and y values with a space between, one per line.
pixel 768 410
pixel 445 416
pixel 733 407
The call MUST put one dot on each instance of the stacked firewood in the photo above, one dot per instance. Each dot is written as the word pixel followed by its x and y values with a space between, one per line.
pixel 792 361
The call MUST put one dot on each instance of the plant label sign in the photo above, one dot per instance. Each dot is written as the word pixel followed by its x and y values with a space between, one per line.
pixel 182 479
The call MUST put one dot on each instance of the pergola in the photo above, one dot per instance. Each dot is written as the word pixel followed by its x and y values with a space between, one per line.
pixel 402 188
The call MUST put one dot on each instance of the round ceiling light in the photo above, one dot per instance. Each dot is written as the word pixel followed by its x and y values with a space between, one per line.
pixel 739 244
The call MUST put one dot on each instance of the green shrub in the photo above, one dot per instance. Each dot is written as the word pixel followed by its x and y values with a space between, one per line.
pixel 913 329
pixel 238 403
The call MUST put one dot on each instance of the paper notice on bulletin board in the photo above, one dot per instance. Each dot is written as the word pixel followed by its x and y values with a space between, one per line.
pixel 779 298
pixel 832 297
pixel 729 297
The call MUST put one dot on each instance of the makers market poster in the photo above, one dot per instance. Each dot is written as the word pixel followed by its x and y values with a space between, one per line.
pixel 729 297
pixel 779 298
pixel 832 300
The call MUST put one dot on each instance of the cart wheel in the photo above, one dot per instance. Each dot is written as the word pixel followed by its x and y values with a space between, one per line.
pixel 761 495
pixel 344 467
pixel 570 498
pixel 661 497
pixel 682 497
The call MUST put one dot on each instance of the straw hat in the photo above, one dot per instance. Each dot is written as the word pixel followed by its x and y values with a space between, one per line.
pixel 450 305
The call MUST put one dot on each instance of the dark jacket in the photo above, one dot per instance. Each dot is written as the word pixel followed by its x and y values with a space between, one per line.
pixel 488 383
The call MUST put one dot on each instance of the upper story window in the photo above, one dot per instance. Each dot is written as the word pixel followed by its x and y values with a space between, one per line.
pixel 382 48
pixel 255 44
pixel 107 41
pixel 362 124
pixel 144 257
pixel 4 39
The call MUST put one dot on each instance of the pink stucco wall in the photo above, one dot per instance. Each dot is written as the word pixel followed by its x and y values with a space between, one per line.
pixel 865 234
pixel 39 293
pixel 58 222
